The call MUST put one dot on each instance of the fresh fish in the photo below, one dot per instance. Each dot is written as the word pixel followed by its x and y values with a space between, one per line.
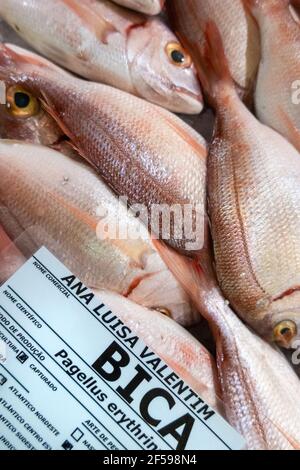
pixel 260 390
pixel 239 33
pixel 277 95
pixel 141 150
pixel 11 259
pixel 149 7
pixel 254 205
pixel 180 350
pixel 103 42
pixel 52 200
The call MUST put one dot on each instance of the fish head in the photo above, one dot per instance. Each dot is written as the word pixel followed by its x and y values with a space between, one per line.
pixel 280 323
pixel 162 71
pixel 22 116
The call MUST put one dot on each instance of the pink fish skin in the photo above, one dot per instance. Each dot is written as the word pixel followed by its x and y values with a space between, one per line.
pixel 11 258
pixel 142 151
pixel 260 390
pixel 49 199
pixel 254 206
pixel 105 43
pixel 149 7
pixel 238 30
pixel 277 94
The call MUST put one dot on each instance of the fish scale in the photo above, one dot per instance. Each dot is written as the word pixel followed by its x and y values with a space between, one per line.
pixel 149 7
pixel 56 200
pixel 239 33
pixel 163 151
pixel 257 231
pixel 105 43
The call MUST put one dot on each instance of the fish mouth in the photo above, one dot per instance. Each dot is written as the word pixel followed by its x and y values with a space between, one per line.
pixel 188 102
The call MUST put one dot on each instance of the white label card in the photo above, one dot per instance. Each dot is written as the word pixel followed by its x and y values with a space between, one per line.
pixel 70 380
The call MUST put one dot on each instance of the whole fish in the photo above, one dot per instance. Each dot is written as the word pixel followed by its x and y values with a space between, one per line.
pixel 277 95
pixel 149 7
pixel 141 150
pixel 254 205
pixel 49 199
pixel 260 390
pixel 103 42
pixel 239 33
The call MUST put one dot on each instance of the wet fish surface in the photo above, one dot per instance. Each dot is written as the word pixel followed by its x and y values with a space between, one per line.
pixel 277 95
pixel 105 43
pixel 142 151
pixel 149 7
pixel 254 207
pixel 238 30
pixel 48 199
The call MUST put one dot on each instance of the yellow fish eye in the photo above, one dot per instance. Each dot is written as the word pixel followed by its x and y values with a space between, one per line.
pixel 165 311
pixel 20 103
pixel 178 56
pixel 285 332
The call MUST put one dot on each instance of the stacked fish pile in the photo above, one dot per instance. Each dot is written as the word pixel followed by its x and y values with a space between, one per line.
pixel 74 143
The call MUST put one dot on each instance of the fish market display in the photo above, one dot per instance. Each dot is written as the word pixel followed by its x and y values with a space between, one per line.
pixel 159 222
pixel 260 390
pixel 277 96
pixel 239 33
pixel 103 42
pixel 254 205
pixel 150 7
pixel 141 150
pixel 60 203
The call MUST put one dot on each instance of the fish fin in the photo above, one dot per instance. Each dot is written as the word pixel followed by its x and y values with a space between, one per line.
pixel 294 133
pixel 14 54
pixel 214 72
pixel 94 22
pixel 46 104
pixel 187 271
pixel 294 444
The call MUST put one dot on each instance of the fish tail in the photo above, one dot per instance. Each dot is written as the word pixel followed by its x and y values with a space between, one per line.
pixel 214 72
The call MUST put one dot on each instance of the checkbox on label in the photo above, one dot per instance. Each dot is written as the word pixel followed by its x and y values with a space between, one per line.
pixel 22 357
pixel 77 434
pixel 2 379
pixel 66 445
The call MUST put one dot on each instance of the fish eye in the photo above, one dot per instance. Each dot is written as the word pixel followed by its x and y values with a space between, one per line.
pixel 165 311
pixel 20 103
pixel 178 56
pixel 285 332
